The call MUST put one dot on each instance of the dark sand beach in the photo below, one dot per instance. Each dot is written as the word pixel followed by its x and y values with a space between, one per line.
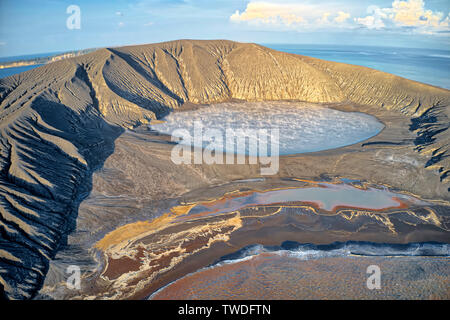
pixel 275 276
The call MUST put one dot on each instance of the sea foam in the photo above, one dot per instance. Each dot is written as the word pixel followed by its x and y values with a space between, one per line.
pixel 340 249
pixel 303 127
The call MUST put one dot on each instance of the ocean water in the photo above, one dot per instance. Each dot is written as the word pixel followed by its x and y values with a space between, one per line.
pixel 429 66
pixel 307 271
pixel 16 70
pixel 28 57
pixel 303 127
pixel 309 251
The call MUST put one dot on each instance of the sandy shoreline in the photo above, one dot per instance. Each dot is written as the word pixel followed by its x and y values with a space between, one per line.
pixel 265 225
pixel 272 276
pixel 245 238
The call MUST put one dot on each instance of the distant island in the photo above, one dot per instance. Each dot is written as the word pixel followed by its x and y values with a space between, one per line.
pixel 44 60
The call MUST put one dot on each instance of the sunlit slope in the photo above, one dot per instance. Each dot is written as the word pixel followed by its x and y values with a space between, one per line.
pixel 58 123
pixel 428 106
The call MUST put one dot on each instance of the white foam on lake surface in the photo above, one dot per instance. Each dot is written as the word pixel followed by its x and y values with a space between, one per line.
pixel 303 127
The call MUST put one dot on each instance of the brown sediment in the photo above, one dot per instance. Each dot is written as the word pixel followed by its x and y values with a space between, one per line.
pixel 158 251
pixel 201 241
pixel 317 205
pixel 116 267
pixel 269 275
pixel 137 228
pixel 316 183
pixel 194 250
pixel 204 258
pixel 403 204
pixel 139 251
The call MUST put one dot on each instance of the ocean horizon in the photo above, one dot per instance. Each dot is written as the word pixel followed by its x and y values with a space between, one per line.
pixel 429 66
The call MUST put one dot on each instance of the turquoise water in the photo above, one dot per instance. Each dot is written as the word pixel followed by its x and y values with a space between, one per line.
pixel 424 65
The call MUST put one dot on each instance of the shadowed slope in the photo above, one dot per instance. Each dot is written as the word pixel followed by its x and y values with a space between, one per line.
pixel 58 124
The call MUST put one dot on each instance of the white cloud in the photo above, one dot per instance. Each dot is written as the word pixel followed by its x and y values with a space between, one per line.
pixel 290 14
pixel 375 20
pixel 405 13
pixel 370 22
pixel 413 13
pixel 148 24
pixel 273 13
pixel 324 18
pixel 342 17
pixel 401 16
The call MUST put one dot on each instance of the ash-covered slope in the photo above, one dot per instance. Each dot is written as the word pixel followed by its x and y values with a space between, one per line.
pixel 58 123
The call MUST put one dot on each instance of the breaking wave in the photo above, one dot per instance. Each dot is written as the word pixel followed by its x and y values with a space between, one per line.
pixel 340 249
pixel 291 249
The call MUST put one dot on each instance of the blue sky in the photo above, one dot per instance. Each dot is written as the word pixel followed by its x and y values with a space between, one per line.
pixel 30 26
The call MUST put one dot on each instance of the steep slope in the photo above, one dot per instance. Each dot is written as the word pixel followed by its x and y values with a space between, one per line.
pixel 428 106
pixel 58 124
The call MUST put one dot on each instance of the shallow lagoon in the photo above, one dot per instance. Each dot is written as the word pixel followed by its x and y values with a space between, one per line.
pixel 328 197
pixel 325 196
pixel 303 127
